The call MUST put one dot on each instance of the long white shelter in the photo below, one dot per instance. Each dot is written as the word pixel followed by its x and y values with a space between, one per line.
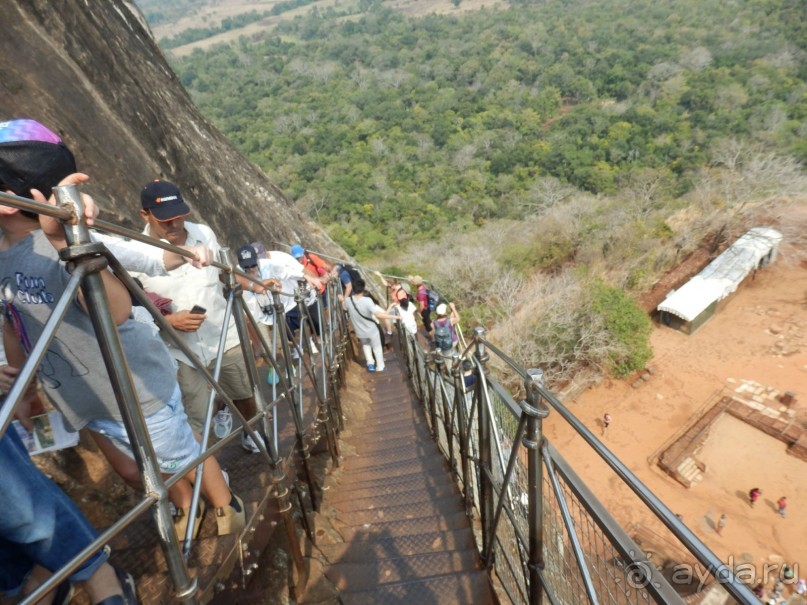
pixel 695 302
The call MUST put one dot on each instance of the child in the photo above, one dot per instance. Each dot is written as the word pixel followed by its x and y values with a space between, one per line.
pixel 34 159
pixel 406 311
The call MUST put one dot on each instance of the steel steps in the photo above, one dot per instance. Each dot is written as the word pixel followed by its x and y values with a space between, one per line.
pixel 405 534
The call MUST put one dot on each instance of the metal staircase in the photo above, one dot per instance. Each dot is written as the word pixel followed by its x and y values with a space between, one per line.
pixel 394 503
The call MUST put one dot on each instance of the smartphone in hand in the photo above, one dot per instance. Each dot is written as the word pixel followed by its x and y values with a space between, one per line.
pixel 197 310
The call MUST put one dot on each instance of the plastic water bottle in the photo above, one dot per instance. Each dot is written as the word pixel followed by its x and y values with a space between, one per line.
pixel 272 377
pixel 222 423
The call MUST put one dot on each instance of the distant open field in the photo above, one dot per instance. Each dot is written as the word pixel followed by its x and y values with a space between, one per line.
pixel 211 15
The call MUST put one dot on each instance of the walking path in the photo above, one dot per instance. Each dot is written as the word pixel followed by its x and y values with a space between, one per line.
pixel 392 528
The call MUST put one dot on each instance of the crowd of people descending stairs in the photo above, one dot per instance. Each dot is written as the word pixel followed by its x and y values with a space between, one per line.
pixel 42 529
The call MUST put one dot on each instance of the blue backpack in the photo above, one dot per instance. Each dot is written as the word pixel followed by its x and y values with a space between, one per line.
pixel 434 299
pixel 442 338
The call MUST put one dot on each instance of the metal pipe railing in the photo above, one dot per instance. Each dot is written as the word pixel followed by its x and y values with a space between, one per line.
pixel 88 259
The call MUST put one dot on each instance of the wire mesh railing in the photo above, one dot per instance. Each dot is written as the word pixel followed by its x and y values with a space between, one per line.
pixel 543 533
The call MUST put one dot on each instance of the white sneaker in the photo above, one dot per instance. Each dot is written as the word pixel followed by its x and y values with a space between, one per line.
pixel 249 445
pixel 314 349
pixel 295 355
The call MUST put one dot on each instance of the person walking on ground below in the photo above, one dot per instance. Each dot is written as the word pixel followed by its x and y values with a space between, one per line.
pixel 781 506
pixel 721 524
pixel 754 495
pixel 606 422
pixel 364 314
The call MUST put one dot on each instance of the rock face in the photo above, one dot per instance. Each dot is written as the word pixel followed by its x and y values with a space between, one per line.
pixel 93 72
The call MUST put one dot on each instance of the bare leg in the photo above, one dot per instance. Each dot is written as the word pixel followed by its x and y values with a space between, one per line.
pixel 101 585
pixel 122 464
pixel 247 407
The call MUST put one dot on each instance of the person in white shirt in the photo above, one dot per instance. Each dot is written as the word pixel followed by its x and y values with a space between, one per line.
pixel 198 308
pixel 405 308
pixel 279 267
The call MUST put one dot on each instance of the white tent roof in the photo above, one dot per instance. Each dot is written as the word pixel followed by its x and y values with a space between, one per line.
pixel 723 275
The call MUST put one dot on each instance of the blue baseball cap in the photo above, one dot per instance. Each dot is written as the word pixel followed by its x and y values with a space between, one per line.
pixel 297 251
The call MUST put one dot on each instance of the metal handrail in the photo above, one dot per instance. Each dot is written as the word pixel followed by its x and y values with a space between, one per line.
pixel 88 258
pixel 549 477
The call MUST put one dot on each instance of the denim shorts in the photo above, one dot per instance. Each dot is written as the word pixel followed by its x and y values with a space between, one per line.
pixel 171 435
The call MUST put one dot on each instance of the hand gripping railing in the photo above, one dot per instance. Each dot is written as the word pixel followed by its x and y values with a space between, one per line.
pixel 543 532
pixel 87 259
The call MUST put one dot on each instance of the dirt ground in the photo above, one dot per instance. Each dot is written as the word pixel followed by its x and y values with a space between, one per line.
pixel 739 343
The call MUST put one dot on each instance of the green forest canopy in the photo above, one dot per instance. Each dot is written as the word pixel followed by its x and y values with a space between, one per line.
pixel 388 128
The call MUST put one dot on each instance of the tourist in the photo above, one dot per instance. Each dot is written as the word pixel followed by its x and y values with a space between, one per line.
pixel 283 270
pixel 721 524
pixel 606 422
pixel 422 297
pixel 781 506
pixel 198 309
pixel 754 495
pixel 445 331
pixel 405 309
pixel 364 315
pixel 41 530
pixel 73 372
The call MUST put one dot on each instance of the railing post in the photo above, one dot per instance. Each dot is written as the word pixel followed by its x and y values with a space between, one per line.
pixel 82 251
pixel 323 415
pixel 532 441
pixel 440 372
pixel 462 432
pixel 431 395
pixel 486 512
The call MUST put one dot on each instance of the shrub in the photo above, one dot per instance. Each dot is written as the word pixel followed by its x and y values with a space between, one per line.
pixel 627 325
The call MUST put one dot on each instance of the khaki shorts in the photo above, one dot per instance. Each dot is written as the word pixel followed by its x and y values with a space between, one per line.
pixel 266 332
pixel 196 390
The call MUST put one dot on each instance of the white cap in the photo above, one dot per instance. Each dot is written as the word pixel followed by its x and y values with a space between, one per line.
pixel 442 309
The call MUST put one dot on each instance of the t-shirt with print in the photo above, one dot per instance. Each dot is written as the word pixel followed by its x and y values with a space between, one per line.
pixel 73 372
